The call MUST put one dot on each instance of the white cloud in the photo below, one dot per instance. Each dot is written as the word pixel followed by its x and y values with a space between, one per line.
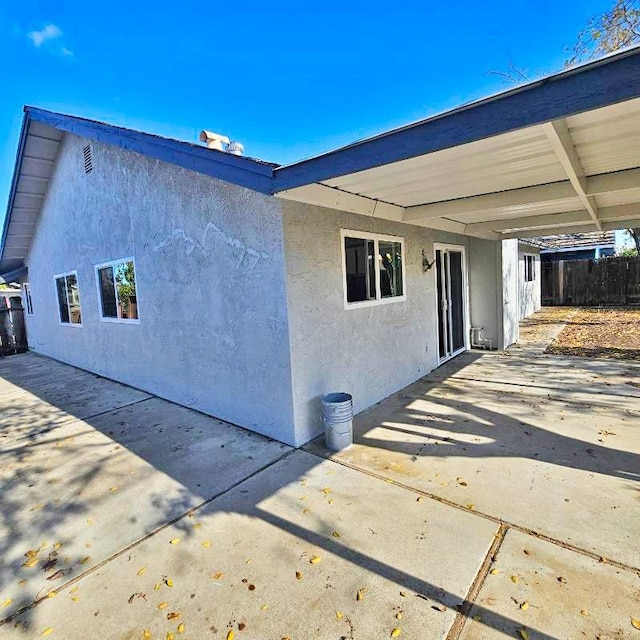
pixel 49 32
pixel 66 52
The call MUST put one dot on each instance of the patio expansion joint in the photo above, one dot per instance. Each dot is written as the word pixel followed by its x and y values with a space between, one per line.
pixel 486 516
pixel 474 590
pixel 144 538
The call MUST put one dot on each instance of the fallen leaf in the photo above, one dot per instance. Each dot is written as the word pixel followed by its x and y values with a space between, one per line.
pixel 477 618
pixel 7 602
pixel 515 579
pixel 231 635
pixel 524 606
pixel 635 623
pixel 403 594
pixel 22 583
pixel 491 601
pixel 156 587
pixel 584 612
pixel 90 521
pixel 264 607
pixel 242 626
pixel 249 561
pixel 395 633
pixel 315 559
pixel 74 589
pixel 218 576
pixel 113 488
pixel 330 501
pixel 173 615
pixel 146 634
pixel 75 598
pixel 299 575
pixel 181 627
pixel 170 635
pixel 523 634
pixel 52 594
pixel 419 499
pixel 335 534
pixel 494 572
pixel 58 574
pixel 163 605
pixel 141 571
pixel 206 544
pixel 399 615
pixel 84 560
pixel 46 632
pixel 168 582
pixel 471 506
pixel 197 525
pixel 174 541
pixel 30 562
pixel 339 615
pixel 57 545
pixel 360 594
pixel 326 491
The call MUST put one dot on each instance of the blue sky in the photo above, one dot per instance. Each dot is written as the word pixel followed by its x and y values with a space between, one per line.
pixel 287 79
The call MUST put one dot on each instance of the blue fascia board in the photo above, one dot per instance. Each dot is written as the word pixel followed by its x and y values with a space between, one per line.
pixel 596 84
pixel 238 170
pixel 22 140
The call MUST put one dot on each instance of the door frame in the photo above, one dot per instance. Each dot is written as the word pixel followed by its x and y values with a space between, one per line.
pixel 441 246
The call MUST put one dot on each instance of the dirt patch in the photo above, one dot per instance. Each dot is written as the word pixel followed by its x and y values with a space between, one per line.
pixel 544 324
pixel 603 333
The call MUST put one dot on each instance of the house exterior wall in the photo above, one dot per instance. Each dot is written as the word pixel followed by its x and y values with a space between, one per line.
pixel 529 293
pixel 510 294
pixel 485 288
pixel 209 260
pixel 370 352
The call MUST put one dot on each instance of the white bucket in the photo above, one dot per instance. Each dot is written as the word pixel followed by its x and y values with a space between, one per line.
pixel 337 413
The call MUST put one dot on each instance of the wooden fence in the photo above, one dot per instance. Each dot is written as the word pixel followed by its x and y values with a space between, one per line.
pixel 608 281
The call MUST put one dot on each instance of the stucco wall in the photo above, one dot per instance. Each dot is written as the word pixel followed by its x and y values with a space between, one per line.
pixel 485 288
pixel 529 293
pixel 369 352
pixel 213 330
pixel 510 294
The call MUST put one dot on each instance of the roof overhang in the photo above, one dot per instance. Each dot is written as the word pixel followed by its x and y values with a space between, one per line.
pixel 558 154
pixel 40 139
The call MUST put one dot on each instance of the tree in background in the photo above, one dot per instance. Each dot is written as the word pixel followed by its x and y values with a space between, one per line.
pixel 609 31
pixel 605 33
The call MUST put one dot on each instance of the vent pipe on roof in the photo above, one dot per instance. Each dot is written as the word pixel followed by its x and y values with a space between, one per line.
pixel 221 143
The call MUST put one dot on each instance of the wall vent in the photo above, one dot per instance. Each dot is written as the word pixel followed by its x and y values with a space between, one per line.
pixel 88 162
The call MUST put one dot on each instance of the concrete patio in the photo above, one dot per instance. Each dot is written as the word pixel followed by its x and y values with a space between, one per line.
pixel 497 497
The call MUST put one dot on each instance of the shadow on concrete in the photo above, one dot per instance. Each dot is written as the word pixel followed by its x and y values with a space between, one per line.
pixel 82 424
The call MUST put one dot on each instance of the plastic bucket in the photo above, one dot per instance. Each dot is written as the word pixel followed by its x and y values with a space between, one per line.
pixel 337 413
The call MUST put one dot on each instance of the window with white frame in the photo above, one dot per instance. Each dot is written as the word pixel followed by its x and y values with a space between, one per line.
pixel 68 298
pixel 117 291
pixel 373 267
pixel 27 298
pixel 529 267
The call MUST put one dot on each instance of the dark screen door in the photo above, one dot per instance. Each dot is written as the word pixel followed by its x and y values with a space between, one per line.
pixel 450 291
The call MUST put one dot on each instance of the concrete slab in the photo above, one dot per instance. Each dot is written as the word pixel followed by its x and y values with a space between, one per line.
pixel 541 591
pixel 39 393
pixel 234 565
pixel 79 491
pixel 480 433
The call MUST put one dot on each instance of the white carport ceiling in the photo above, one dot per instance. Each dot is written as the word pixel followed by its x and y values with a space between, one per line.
pixel 580 172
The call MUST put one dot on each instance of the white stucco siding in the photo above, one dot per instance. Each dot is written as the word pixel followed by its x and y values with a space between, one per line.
pixel 370 352
pixel 529 293
pixel 209 258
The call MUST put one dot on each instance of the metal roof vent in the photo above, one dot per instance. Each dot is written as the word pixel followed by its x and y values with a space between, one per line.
pixel 221 143
pixel 88 162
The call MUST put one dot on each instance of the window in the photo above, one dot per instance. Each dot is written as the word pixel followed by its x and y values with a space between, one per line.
pixel 117 291
pixel 27 298
pixel 68 298
pixel 373 267
pixel 529 268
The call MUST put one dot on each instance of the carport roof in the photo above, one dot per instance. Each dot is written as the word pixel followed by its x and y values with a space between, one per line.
pixel 561 153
